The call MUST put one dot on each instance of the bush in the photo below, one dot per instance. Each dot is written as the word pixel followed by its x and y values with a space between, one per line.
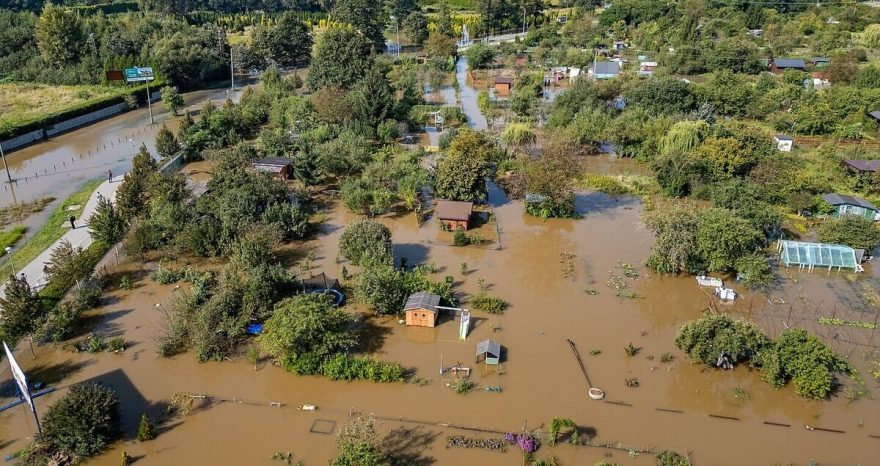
pixel 87 295
pixel 366 242
pixel 145 429
pixel 707 338
pixel 671 458
pixel 483 302
pixel 754 271
pixel 460 238
pixel 82 422
pixel 854 231
pixel 802 358
pixel 62 322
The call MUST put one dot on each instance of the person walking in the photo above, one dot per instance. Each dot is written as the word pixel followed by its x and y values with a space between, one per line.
pixel 72 220
pixel 109 176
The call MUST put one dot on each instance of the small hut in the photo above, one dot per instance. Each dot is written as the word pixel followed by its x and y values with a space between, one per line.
pixel 279 167
pixel 489 351
pixel 454 215
pixel 421 309
pixel 503 84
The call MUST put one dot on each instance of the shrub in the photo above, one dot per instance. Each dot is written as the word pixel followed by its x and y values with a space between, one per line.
pixel 483 302
pixel 854 231
pixel 291 219
pixel 87 295
pixel 145 429
pixel 82 422
pixel 459 238
pixel 671 458
pixel 116 345
pixel 366 242
pixel 754 270
pixel 62 322
pixel 345 367
pixel 707 338
pixel 803 359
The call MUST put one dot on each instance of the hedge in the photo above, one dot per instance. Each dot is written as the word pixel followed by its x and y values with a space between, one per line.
pixel 45 121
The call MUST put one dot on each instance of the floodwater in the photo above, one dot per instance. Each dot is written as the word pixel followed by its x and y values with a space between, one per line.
pixel 559 277
pixel 59 166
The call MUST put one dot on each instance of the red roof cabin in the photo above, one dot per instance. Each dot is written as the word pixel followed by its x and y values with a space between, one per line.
pixel 454 215
pixel 279 167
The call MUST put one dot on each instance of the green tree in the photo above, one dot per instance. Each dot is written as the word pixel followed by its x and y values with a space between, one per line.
pixel 67 265
pixel 662 95
pixel 307 324
pixel 712 335
pixel 106 224
pixel 285 44
pixel 145 429
pixel 754 270
pixel 172 99
pixel 20 310
pixel 59 35
pixel 383 288
pixel 358 444
pixel 804 359
pixel 373 99
pixel 851 230
pixel 82 422
pixel 461 178
pixel 440 45
pixel 133 195
pixel 480 56
pixel 415 27
pixel 675 227
pixel 366 16
pixel 190 57
pixel 723 237
pixel 167 146
pixel 341 58
pixel 366 242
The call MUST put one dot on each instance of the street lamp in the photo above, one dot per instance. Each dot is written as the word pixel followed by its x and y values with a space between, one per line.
pixel 9 253
pixel 5 165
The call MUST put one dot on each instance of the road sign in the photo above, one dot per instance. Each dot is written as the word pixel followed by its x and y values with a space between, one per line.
pixel 138 74
pixel 18 375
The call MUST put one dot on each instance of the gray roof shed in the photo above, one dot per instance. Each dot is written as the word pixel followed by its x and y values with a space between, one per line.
pixel 422 300
pixel 607 67
pixel 863 165
pixel 489 348
pixel 844 199
pixel 790 63
pixel 875 114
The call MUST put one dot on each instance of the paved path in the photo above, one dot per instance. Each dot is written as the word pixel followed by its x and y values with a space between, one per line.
pixel 78 237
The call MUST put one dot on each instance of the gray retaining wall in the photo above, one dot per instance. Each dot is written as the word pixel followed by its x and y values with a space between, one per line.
pixel 172 165
pixel 23 140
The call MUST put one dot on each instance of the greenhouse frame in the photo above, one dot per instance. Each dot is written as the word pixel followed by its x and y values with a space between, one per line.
pixel 811 255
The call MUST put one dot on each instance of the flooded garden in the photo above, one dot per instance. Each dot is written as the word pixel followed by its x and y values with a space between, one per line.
pixel 580 280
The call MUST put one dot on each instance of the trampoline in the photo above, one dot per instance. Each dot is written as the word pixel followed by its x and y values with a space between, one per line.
pixel 338 296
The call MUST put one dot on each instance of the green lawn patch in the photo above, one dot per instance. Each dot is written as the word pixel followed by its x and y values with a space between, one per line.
pixel 10 237
pixel 52 230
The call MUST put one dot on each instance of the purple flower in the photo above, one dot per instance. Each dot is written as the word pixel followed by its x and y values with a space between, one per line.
pixel 510 438
pixel 527 443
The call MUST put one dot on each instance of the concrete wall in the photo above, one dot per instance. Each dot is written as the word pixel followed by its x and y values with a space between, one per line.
pixel 23 140
pixel 172 165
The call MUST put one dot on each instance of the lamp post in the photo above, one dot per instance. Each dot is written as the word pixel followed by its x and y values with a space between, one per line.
pixel 11 262
pixel 5 165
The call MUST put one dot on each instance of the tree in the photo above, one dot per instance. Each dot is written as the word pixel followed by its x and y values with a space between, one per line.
pixel 358 444
pixel 723 237
pixel 662 95
pixel 106 224
pixel 132 196
pixel 850 230
pixel 67 265
pixel 843 68
pixel 480 56
pixel 754 271
pixel 366 242
pixel 461 178
pixel 440 45
pixel 21 310
pixel 373 99
pixel 675 248
pixel 415 27
pixel 341 58
pixel 307 324
pixel 191 57
pixel 804 359
pixel 172 99
pixel 713 335
pixel 167 146
pixel 145 429
pixel 82 422
pixel 519 135
pixel 285 44
pixel 59 35
pixel 383 288
pixel 366 17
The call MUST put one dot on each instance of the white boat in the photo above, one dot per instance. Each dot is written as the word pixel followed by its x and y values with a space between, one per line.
pixel 595 393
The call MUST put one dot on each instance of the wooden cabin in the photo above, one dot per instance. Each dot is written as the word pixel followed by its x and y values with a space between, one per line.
pixel 454 215
pixel 503 85
pixel 421 309
pixel 278 167
pixel 489 351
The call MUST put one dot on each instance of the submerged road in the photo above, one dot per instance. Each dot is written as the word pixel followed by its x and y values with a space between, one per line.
pixel 59 166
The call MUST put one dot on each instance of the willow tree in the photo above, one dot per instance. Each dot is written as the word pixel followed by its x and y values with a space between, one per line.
pixel 684 136
pixel 519 135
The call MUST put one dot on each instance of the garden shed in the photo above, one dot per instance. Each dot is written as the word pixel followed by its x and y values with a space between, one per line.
pixel 454 215
pixel 503 85
pixel 850 205
pixel 781 64
pixel 489 351
pixel 606 70
pixel 421 309
pixel 861 167
pixel 811 255
pixel 278 167
pixel 784 143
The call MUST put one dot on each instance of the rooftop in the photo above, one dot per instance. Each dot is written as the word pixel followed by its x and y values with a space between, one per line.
pixel 818 255
pixel 783 137
pixel 489 347
pixel 789 63
pixel 864 165
pixel 454 210
pixel 845 199
pixel 272 161
pixel 422 300
pixel 607 67
pixel 875 114
pixel 503 80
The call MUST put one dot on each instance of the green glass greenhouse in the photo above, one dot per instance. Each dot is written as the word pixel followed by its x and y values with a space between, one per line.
pixel 812 255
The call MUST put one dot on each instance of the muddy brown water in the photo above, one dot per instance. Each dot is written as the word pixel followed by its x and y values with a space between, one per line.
pixel 541 379
pixel 543 269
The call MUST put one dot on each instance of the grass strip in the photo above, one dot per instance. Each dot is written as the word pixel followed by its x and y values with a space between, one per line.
pixel 10 237
pixel 52 230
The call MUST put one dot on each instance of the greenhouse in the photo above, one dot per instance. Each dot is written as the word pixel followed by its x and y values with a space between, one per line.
pixel 811 255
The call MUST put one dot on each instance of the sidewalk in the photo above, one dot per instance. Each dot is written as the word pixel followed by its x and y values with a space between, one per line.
pixel 78 237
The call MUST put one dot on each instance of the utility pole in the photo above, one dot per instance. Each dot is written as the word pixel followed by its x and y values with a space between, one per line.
pixel 149 102
pixel 231 70
pixel 5 165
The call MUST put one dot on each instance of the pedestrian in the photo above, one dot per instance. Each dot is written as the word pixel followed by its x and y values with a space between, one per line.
pixel 109 176
pixel 72 220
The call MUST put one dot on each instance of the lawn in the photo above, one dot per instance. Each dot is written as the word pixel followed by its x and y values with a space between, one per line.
pixel 23 103
pixel 52 230
pixel 10 237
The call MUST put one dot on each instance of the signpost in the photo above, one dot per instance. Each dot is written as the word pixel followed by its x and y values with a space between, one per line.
pixel 138 74
pixel 20 380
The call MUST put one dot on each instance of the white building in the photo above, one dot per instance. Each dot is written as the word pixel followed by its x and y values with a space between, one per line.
pixel 783 143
